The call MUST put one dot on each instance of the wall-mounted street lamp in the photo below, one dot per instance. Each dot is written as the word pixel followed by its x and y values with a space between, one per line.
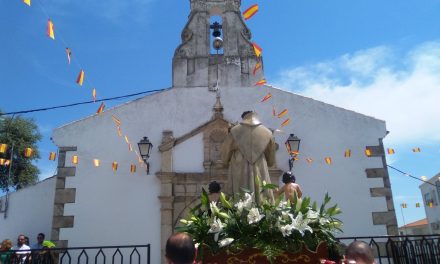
pixel 145 147
pixel 292 145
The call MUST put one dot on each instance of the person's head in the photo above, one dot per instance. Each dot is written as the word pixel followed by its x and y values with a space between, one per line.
pixel 180 249
pixel 40 238
pixel 214 187
pixel 360 252
pixel 288 177
pixel 21 240
pixel 6 245
pixel 26 240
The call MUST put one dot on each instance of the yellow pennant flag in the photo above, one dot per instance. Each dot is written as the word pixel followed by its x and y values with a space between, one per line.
pixel 257 49
pixel 2 162
pixel 133 168
pixel 250 12
pixel 430 204
pixel 50 29
pixel 80 79
pixel 126 140
pixel 3 148
pixel 309 160
pixel 417 205
pixel 114 166
pixel 328 160
pixel 96 162
pixel 257 67
pixel 69 54
pixel 94 94
pixel 7 162
pixel 266 97
pixel 424 178
pixel 282 113
pixel 74 159
pixel 119 131
pixel 101 108
pixel 116 120
pixel 28 2
pixel 285 122
pixel 404 205
pixel 28 152
pixel 416 150
pixel 347 153
pixel 261 82
pixel 52 155
pixel 368 152
pixel 390 151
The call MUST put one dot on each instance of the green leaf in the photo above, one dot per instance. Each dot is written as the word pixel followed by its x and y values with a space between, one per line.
pixel 269 186
pixel 204 198
pixel 224 201
pixel 315 206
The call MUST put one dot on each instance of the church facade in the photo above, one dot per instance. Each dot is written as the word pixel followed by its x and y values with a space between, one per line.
pixel 187 123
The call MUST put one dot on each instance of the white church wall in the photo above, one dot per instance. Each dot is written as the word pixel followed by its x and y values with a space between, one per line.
pixel 114 208
pixel 30 212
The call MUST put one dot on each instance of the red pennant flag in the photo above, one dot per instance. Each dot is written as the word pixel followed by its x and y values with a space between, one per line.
pixel 286 122
pixel 328 160
pixel 250 12
pixel 94 94
pixel 266 97
pixel 257 67
pixel 101 108
pixel 50 29
pixel 52 155
pixel 130 147
pixel 282 113
pixel 114 166
pixel 257 49
pixel 274 112
pixel 80 78
pixel 116 120
pixel 347 153
pixel 69 54
pixel 260 82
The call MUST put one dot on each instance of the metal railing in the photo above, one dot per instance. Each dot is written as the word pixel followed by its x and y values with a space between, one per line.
pixel 411 249
pixel 136 254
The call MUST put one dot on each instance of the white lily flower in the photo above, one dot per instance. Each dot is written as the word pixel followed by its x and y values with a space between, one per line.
pixel 225 242
pixel 247 202
pixel 283 204
pixel 285 215
pixel 301 224
pixel 213 207
pixel 323 221
pixel 240 206
pixel 217 226
pixel 286 230
pixel 254 216
pixel 312 215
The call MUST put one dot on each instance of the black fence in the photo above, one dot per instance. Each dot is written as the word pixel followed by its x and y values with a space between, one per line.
pixel 416 249
pixel 137 254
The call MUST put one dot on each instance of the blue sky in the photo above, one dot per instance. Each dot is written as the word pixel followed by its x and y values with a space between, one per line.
pixel 380 58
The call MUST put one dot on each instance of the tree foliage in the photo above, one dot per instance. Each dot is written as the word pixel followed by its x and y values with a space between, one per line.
pixel 21 133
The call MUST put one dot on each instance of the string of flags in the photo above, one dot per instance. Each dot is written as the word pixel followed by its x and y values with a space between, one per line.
pixel 417 205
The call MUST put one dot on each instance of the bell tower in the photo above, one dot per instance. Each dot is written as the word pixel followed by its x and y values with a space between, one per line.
pixel 214 54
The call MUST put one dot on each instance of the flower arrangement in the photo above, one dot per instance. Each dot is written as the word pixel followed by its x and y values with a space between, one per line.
pixel 272 227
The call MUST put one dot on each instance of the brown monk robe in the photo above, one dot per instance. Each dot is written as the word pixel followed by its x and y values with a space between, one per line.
pixel 249 150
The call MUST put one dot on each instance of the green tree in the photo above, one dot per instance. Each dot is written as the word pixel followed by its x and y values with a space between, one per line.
pixel 21 133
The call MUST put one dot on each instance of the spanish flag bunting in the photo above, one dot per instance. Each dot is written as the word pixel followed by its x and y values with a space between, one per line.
pixel 3 148
pixel 282 113
pixel 309 160
pixel 417 205
pixel 69 54
pixel 96 162
pixel 52 155
pixel 261 82
pixel 424 178
pixel 7 162
pixel 328 160
pixel 130 147
pixel 2 162
pixel 416 150
pixel 295 158
pixel 368 152
pixel 347 153
pixel 28 152
pixel 257 49
pixel 293 152
pixel 133 168
pixel 50 29
pixel 28 2
pixel 390 151
pixel 274 112
pixel 257 67
pixel 80 79
pixel 126 140
pixel 94 94
pixel 404 205
pixel 101 108
pixel 74 159
pixel 250 12
pixel 430 204
pixel 140 160
pixel 285 122
pixel 266 97
pixel 114 166
pixel 116 120
pixel 119 132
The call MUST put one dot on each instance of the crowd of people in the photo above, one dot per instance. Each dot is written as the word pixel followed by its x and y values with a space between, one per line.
pixel 23 250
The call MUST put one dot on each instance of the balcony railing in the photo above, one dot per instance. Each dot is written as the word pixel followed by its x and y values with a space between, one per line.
pixel 412 249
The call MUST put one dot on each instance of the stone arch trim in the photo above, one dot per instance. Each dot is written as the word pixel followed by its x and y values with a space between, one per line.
pixel 63 196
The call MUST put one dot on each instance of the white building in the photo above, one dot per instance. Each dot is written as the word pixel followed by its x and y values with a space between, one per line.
pixel 431 193
pixel 186 125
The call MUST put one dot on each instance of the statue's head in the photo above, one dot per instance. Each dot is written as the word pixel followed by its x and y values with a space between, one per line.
pixel 288 177
pixel 250 118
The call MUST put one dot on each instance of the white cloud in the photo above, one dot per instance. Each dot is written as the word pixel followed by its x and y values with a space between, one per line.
pixel 402 89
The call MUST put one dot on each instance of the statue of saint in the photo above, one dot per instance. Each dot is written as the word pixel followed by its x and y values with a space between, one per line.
pixel 249 151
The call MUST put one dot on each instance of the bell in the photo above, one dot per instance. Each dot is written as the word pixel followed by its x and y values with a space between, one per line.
pixel 217 44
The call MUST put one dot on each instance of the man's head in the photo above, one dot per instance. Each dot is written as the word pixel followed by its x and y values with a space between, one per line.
pixel 288 177
pixel 21 240
pixel 180 249
pixel 40 238
pixel 6 245
pixel 360 252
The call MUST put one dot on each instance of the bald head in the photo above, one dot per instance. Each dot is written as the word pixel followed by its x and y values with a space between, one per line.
pixel 180 249
pixel 360 252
